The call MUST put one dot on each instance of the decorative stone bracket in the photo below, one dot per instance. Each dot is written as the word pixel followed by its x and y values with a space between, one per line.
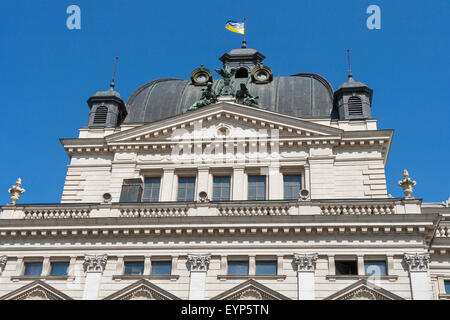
pixel 417 261
pixel 3 260
pixel 199 262
pixel 305 262
pixel 95 263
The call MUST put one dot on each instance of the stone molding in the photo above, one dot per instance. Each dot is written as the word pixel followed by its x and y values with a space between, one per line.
pixel 305 262
pixel 199 262
pixel 417 261
pixel 95 263
pixel 3 260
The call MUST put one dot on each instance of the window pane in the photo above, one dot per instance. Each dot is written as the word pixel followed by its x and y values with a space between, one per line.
pixel 257 188
pixel 346 268
pixel 238 267
pixel 266 267
pixel 447 286
pixel 151 189
pixel 59 269
pixel 33 269
pixel 221 188
pixel 186 189
pixel 161 267
pixel 134 268
pixel 375 268
pixel 292 186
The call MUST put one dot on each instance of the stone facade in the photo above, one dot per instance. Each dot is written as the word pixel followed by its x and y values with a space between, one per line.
pixel 345 217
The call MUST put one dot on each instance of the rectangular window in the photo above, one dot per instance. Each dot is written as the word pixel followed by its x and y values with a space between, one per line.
pixel 151 189
pixel 346 267
pixel 186 188
pixel 221 188
pixel 292 186
pixel 161 267
pixel 256 187
pixel 238 267
pixel 59 269
pixel 375 268
pixel 33 269
pixel 131 190
pixel 447 286
pixel 266 267
pixel 134 268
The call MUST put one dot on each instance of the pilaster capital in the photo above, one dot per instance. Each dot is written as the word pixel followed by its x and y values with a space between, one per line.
pixel 305 262
pixel 3 260
pixel 417 261
pixel 199 262
pixel 94 263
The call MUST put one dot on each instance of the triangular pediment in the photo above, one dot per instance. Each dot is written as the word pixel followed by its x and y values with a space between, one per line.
pixel 37 290
pixel 363 290
pixel 142 290
pixel 250 290
pixel 227 113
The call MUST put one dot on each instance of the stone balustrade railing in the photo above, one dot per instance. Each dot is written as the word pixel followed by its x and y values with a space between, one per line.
pixel 152 211
pixel 57 213
pixel 252 209
pixel 357 209
pixel 443 231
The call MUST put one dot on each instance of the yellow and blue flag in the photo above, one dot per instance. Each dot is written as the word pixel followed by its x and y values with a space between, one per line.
pixel 238 27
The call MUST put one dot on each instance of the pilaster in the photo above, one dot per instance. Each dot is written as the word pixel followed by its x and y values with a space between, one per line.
pixel 93 265
pixel 198 266
pixel 419 276
pixel 305 264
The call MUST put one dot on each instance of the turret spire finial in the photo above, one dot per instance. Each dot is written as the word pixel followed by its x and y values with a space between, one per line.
pixel 350 75
pixel 112 85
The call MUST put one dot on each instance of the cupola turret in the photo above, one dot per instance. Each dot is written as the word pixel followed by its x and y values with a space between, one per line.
pixel 107 108
pixel 353 99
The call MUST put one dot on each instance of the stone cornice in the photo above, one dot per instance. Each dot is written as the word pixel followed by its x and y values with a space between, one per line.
pixel 199 262
pixel 95 263
pixel 417 261
pixel 305 262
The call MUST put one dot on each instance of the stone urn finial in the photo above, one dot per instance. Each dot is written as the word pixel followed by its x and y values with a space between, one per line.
pixel 16 191
pixel 407 184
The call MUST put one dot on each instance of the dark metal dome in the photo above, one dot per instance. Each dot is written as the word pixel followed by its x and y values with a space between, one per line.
pixel 301 95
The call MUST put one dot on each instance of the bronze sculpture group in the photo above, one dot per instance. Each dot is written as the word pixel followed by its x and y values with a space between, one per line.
pixel 209 96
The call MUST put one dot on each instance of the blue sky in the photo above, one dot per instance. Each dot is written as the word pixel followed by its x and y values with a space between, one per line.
pixel 47 72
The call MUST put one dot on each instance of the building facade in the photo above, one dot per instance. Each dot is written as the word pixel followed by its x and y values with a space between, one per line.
pixel 242 186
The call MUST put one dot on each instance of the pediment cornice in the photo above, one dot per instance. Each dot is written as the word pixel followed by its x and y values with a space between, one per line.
pixel 37 290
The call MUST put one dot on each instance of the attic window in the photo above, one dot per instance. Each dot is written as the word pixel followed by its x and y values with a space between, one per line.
pixel 241 73
pixel 355 106
pixel 100 115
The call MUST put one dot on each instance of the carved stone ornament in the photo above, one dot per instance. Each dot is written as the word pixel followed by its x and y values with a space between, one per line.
pixel 363 294
pixel 262 75
pixel 95 263
pixel 3 260
pixel 407 184
pixel 16 191
pixel 305 262
pixel 446 203
pixel 417 261
pixel 199 262
pixel 201 76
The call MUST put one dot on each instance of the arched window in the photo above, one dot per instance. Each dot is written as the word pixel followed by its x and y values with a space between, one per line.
pixel 355 106
pixel 100 115
pixel 241 73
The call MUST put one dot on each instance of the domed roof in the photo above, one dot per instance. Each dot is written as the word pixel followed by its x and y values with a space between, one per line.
pixel 302 95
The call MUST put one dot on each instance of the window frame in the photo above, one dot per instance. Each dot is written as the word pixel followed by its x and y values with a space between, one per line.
pixel 52 263
pixel 144 188
pixel 284 184
pixel 136 261
pixel 343 260
pixel 249 175
pixel 241 260
pixel 186 176
pixel 259 261
pixel 28 262
pixel 214 176
pixel 156 261
pixel 374 260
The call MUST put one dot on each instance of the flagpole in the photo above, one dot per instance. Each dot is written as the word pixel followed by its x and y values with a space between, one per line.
pixel 244 43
